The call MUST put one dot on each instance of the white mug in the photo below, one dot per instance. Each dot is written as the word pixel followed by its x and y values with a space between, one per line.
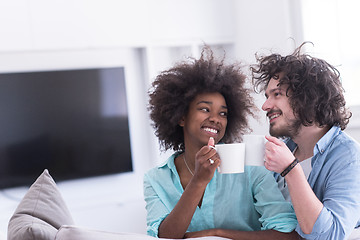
pixel 254 150
pixel 232 157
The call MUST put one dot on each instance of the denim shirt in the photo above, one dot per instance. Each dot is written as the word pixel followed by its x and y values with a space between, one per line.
pixel 335 180
pixel 241 201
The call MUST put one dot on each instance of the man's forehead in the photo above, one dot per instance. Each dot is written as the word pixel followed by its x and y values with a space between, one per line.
pixel 279 75
pixel 273 84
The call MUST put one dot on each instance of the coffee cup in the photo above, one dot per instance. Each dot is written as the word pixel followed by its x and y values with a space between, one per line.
pixel 254 149
pixel 232 157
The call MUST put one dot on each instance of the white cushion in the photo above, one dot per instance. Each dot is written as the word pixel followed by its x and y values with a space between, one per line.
pixel 81 233
pixel 41 212
pixel 43 215
pixel 355 235
pixel 2 236
pixel 67 232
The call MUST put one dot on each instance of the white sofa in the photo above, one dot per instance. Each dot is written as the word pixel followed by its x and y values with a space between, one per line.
pixel 2 236
pixel 43 215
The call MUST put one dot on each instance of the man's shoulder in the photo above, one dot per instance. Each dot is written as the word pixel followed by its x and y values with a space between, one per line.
pixel 346 142
pixel 345 138
pixel 348 145
pixel 344 150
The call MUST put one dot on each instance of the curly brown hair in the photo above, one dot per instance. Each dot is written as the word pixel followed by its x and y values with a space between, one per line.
pixel 174 89
pixel 314 87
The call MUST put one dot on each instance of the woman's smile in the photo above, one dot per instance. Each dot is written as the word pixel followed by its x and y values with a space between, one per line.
pixel 207 117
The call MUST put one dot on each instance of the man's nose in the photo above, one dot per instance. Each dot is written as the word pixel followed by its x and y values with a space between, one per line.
pixel 267 105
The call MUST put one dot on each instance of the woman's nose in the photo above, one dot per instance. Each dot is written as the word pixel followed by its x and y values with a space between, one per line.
pixel 214 118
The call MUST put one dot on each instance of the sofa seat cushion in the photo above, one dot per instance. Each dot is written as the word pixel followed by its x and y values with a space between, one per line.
pixel 41 212
pixel 67 232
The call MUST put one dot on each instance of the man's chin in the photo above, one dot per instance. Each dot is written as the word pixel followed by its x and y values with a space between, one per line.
pixel 289 132
pixel 278 133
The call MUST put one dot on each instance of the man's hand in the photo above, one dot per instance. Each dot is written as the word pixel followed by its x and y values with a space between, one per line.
pixel 277 155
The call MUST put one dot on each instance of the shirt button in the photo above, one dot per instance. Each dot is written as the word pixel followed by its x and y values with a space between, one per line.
pixel 322 150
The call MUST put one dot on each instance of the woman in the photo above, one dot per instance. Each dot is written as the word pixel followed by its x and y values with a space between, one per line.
pixel 193 106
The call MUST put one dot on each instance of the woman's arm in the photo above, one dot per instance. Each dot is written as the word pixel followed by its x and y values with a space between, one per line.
pixel 275 212
pixel 243 235
pixel 178 221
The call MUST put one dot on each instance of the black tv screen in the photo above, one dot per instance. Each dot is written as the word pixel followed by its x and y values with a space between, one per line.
pixel 72 122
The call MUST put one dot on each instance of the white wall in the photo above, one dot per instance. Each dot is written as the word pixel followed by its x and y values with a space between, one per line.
pixel 264 27
pixel 84 24
pixel 100 193
pixel 145 37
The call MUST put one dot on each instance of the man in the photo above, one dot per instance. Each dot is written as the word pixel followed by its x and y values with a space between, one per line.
pixel 306 108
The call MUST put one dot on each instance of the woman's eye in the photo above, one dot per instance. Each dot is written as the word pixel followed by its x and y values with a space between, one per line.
pixel 224 114
pixel 204 109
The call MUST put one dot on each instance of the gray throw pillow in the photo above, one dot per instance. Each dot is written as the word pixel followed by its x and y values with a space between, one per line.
pixel 41 212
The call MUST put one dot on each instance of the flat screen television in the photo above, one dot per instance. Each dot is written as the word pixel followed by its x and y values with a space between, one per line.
pixel 72 122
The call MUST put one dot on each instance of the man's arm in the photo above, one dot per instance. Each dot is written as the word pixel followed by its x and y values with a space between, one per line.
pixel 306 205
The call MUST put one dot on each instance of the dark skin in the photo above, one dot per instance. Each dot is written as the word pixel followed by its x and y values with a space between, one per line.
pixel 204 125
pixel 205 111
pixel 244 235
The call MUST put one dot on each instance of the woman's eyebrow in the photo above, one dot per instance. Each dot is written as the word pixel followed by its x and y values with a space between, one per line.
pixel 203 101
pixel 210 103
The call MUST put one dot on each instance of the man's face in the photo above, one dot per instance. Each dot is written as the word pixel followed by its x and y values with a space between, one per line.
pixel 279 112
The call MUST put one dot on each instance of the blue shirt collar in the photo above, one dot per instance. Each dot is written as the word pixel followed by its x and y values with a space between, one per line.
pixel 325 141
pixel 170 162
pixel 322 144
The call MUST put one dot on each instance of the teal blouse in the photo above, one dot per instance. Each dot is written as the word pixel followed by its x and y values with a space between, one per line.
pixel 246 201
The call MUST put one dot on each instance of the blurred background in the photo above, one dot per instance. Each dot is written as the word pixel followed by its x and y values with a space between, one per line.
pixel 145 37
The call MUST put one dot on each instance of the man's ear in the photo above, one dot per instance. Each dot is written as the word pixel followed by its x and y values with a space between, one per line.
pixel 182 122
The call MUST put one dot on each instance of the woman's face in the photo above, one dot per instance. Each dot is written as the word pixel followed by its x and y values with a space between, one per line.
pixel 206 117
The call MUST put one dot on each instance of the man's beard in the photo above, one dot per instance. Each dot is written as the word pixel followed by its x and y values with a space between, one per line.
pixel 290 130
